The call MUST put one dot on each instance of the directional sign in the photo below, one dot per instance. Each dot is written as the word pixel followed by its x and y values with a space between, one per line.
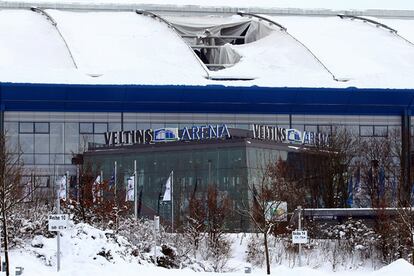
pixel 300 236
pixel 58 222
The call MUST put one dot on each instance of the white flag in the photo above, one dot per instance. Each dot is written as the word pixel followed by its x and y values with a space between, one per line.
pixel 61 183
pixel 96 189
pixel 167 193
pixel 129 196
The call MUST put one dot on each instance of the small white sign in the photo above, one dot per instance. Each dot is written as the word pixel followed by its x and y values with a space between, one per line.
pixel 157 223
pixel 58 222
pixel 300 236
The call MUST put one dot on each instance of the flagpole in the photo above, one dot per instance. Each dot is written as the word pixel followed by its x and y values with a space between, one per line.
pixel 135 190
pixel 67 182
pixel 115 172
pixel 116 199
pixel 58 233
pixel 172 201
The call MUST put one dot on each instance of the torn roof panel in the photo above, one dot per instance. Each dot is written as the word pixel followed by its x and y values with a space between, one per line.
pixel 125 48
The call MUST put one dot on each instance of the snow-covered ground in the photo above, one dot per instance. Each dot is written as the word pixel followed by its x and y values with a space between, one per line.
pixel 89 251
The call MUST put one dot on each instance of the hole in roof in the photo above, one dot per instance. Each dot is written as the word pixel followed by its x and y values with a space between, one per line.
pixel 212 44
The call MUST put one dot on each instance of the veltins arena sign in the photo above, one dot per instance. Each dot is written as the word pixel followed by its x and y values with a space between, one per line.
pixel 149 136
pixel 289 135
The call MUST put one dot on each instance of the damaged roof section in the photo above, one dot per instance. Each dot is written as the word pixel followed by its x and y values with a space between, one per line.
pixel 112 47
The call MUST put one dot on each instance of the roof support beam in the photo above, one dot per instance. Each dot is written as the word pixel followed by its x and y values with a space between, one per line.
pixel 54 23
pixel 155 16
pixel 284 29
pixel 376 23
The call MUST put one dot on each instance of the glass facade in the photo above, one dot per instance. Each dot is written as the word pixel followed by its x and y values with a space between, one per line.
pixel 193 171
pixel 231 166
pixel 49 140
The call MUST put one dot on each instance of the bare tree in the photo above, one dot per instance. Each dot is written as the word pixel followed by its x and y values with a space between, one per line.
pixel 218 207
pixel 272 190
pixel 377 170
pixel 331 163
pixel 406 215
pixel 11 192
pixel 195 222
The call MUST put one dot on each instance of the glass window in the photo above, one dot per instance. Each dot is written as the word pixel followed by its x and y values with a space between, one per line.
pixel 85 128
pixel 157 125
pixel 56 138
pixel 27 143
pixel 71 137
pixel 242 126
pixel 41 127
pixel 325 129
pixel 380 131
pixel 11 128
pixel 27 159
pixel 298 127
pixel 130 126
pixel 12 136
pixel 26 127
pixel 114 127
pixel 312 128
pixel 99 139
pixel 68 159
pixel 43 181
pixel 143 126
pixel 366 131
pixel 42 143
pixel 101 127
pixel 85 139
pixel 41 159
pixel 57 159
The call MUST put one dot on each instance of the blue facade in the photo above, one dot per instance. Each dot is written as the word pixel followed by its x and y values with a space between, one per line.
pixel 205 99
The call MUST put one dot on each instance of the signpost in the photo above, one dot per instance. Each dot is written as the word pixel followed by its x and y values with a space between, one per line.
pixel 300 237
pixel 58 222
pixel 156 229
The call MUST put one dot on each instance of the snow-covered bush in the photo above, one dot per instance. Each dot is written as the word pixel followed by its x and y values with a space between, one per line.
pixel 26 222
pixel 255 251
pixel 354 238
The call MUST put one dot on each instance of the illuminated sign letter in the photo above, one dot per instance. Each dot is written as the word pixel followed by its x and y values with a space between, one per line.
pixel 224 132
pixel 108 137
pixel 212 132
pixel 186 134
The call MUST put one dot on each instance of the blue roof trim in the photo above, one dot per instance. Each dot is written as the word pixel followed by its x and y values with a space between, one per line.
pixel 205 99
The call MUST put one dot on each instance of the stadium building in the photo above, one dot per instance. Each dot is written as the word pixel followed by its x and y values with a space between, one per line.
pixel 74 78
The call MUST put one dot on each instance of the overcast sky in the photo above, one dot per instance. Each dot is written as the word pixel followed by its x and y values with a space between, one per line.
pixel 349 4
pixel 305 4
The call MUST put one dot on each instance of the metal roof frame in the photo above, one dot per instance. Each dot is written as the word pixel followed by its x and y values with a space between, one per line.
pixel 54 23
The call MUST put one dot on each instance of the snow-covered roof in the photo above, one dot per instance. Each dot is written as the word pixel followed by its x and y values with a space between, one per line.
pixel 114 47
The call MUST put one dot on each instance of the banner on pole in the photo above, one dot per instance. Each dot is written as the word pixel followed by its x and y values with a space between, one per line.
pixel 96 189
pixel 167 193
pixel 61 183
pixel 130 191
